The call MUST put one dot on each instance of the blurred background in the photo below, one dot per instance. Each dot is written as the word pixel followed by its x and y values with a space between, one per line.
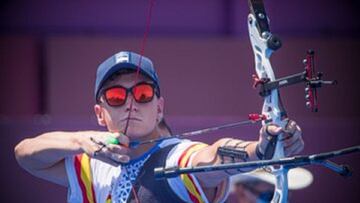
pixel 49 52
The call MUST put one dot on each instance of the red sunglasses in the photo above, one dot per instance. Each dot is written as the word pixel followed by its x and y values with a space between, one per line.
pixel 116 95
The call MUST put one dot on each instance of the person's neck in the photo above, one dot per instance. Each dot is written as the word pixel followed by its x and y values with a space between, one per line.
pixel 143 148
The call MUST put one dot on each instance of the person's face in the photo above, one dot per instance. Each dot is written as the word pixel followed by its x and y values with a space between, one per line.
pixel 144 117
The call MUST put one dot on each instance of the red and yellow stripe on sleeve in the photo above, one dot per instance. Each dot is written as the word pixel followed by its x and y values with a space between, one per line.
pixel 188 180
pixel 84 177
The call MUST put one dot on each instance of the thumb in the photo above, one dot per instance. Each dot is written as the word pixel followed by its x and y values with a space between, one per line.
pixel 272 130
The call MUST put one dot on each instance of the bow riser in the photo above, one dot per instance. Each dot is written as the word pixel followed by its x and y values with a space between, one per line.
pixel 272 107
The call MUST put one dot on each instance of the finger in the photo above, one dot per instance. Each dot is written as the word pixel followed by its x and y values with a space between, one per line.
pixel 97 142
pixel 290 137
pixel 298 129
pixel 294 148
pixel 291 127
pixel 120 158
pixel 118 149
pixel 286 137
pixel 291 140
pixel 273 130
pixel 122 138
pixel 297 151
pixel 294 129
pixel 93 149
pixel 114 156
pixel 105 155
pixel 297 133
pixel 302 144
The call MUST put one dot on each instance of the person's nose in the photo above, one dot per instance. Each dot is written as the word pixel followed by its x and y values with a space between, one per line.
pixel 130 103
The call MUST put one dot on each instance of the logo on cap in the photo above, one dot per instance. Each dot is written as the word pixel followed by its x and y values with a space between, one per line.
pixel 122 57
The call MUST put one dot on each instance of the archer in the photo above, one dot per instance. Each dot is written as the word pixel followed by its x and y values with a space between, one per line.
pixel 99 166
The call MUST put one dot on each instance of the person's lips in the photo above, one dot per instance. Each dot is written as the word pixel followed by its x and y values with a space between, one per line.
pixel 131 119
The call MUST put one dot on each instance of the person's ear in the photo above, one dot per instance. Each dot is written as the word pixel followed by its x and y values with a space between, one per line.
pixel 100 114
pixel 160 109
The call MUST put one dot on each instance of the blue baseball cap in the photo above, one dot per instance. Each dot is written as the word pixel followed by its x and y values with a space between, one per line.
pixel 124 60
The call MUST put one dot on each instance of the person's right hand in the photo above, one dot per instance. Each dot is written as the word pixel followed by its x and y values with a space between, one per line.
pixel 96 145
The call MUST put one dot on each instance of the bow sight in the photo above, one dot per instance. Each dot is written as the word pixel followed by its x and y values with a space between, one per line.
pixel 312 82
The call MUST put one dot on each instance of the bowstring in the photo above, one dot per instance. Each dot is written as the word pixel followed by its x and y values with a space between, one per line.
pixel 142 50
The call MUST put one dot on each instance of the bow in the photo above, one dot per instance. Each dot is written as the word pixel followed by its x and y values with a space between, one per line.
pixel 264 43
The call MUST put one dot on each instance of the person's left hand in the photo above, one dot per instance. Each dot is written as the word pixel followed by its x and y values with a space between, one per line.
pixel 291 139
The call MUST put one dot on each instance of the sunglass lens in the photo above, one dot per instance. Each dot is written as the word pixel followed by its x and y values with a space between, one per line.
pixel 143 93
pixel 115 96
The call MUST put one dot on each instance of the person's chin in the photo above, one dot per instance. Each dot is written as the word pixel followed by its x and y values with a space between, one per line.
pixel 134 132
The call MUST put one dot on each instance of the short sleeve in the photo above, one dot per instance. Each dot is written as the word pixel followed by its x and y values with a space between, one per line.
pixel 78 169
pixel 186 186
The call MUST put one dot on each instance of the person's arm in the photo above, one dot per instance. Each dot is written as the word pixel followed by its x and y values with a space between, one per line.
pixel 209 181
pixel 44 155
